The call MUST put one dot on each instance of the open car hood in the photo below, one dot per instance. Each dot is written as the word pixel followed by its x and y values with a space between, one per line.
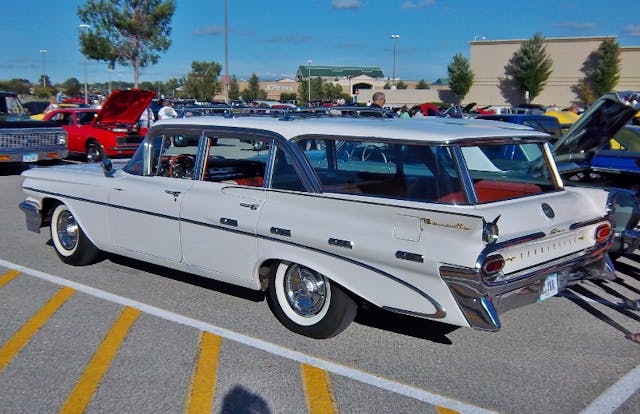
pixel 124 106
pixel 597 125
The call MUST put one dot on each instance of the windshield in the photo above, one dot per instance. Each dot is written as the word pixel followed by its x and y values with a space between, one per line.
pixel 10 106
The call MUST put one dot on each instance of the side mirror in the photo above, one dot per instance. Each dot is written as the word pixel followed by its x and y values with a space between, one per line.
pixel 107 167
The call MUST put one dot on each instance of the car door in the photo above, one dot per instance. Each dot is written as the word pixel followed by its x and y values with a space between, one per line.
pixel 219 214
pixel 76 133
pixel 144 215
pixel 144 212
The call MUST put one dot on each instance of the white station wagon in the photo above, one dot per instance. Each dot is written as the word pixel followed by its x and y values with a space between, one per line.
pixel 452 220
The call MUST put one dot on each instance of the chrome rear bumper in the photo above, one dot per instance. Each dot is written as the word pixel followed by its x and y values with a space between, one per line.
pixel 481 303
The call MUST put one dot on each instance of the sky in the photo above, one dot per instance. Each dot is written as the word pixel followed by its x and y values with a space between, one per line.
pixel 273 38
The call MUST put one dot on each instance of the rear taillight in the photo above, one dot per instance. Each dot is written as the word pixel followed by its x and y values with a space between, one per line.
pixel 492 265
pixel 603 232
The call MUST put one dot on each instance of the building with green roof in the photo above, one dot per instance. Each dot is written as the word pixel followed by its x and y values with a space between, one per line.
pixel 337 72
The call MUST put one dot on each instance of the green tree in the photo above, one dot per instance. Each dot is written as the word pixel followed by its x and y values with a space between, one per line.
pixel 202 82
pixel 131 32
pixel 44 91
pixel 303 92
pixel 19 86
pixel 332 91
pixel 530 66
pixel 288 96
pixel 171 86
pixel 253 92
pixel 401 85
pixel 148 85
pixel 460 76
pixel 606 74
pixel 422 84
pixel 45 78
pixel 72 87
pixel 387 86
pixel 317 89
pixel 234 88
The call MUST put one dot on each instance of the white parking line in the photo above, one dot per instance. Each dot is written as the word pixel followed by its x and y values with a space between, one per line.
pixel 616 395
pixel 360 376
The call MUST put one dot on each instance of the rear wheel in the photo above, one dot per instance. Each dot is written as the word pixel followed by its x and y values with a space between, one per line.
pixel 94 152
pixel 308 303
pixel 71 244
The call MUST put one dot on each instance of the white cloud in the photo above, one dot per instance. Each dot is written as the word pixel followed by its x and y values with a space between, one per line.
pixel 209 31
pixel 632 30
pixel 420 4
pixel 346 4
pixel 576 25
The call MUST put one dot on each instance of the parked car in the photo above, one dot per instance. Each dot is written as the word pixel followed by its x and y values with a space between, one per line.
pixel 544 123
pixel 111 131
pixel 422 217
pixel 565 119
pixel 589 155
pixel 25 140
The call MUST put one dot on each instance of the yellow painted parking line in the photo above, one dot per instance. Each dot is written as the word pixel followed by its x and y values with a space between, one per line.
pixel 203 381
pixel 317 389
pixel 8 277
pixel 20 339
pixel 87 384
pixel 443 410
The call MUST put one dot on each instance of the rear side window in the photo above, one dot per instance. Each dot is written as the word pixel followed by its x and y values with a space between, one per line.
pixel 383 169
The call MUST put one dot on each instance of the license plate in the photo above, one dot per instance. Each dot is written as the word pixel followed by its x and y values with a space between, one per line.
pixel 30 157
pixel 550 287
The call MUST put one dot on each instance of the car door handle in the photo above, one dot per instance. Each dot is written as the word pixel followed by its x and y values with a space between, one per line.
pixel 280 232
pixel 250 206
pixel 228 222
pixel 175 194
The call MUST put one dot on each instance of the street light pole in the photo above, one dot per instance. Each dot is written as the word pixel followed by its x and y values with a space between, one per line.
pixel 226 56
pixel 309 76
pixel 43 52
pixel 394 37
pixel 86 91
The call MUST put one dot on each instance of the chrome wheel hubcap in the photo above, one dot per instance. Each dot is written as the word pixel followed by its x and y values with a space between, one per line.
pixel 67 229
pixel 305 289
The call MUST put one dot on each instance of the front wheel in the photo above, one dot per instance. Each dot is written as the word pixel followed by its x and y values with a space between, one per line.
pixel 71 244
pixel 308 303
pixel 94 152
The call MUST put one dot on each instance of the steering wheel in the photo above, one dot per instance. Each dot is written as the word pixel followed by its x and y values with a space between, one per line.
pixel 181 166
pixel 371 150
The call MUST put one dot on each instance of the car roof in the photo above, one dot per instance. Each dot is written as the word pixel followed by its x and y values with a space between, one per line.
pixel 514 116
pixel 432 129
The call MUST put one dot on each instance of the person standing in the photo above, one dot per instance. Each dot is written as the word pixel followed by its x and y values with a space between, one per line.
pixel 167 110
pixel 53 105
pixel 378 99
pixel 146 118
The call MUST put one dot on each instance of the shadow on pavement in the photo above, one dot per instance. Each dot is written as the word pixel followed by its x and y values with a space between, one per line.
pixel 573 295
pixel 405 325
pixel 10 168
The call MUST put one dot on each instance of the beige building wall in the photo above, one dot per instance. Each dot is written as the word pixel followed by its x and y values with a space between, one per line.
pixel 488 59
